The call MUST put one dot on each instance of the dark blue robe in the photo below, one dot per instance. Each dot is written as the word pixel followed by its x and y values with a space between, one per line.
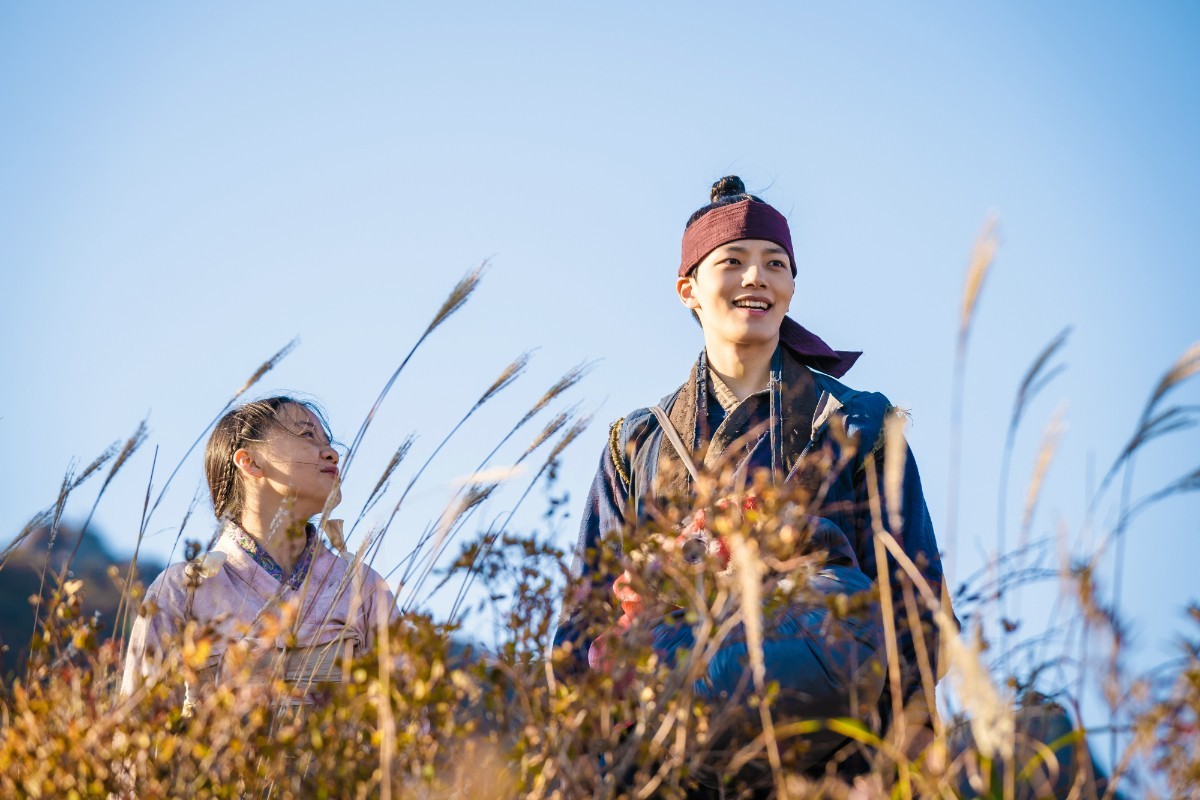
pixel 815 674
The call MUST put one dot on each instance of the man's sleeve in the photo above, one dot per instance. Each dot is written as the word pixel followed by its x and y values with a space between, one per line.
pixel 916 537
pixel 603 516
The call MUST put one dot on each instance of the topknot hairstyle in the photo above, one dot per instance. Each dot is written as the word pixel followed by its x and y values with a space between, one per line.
pixel 726 191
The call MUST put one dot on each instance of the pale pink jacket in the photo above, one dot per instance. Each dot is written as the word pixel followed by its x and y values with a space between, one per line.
pixel 243 601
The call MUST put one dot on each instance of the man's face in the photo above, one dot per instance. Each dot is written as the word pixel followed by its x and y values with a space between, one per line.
pixel 740 291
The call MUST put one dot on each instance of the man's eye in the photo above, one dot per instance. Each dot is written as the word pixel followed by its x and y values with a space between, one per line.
pixel 731 261
pixel 778 263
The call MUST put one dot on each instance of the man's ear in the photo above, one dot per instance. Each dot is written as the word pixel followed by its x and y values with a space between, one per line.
pixel 686 289
pixel 243 459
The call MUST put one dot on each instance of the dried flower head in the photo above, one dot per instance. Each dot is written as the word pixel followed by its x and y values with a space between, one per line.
pixel 333 529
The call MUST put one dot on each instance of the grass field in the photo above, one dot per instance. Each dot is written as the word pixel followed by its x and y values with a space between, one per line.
pixel 422 716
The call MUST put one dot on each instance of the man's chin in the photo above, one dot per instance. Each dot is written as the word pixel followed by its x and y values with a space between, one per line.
pixel 750 333
pixel 757 335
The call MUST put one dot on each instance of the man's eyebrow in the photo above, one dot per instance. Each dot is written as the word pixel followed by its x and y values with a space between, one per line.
pixel 737 248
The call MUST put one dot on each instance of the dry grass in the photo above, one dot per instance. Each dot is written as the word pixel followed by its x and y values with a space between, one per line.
pixel 420 718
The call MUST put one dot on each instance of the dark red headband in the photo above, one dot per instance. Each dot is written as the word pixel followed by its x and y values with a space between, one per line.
pixel 744 220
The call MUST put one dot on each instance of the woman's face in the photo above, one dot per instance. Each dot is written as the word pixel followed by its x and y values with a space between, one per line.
pixel 741 291
pixel 298 461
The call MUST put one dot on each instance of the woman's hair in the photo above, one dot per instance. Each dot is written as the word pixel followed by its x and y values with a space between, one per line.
pixel 729 189
pixel 244 425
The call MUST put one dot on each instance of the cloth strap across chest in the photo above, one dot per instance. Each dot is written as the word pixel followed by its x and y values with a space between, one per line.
pixel 780 418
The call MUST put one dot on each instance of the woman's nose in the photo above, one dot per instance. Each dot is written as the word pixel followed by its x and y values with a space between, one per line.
pixel 330 455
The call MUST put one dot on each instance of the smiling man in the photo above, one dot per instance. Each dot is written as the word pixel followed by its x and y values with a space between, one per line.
pixel 763 398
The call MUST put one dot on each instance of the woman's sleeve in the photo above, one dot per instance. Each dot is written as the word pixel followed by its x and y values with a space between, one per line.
pixel 151 633
pixel 378 606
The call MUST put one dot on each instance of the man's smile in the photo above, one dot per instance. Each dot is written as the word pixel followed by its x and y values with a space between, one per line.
pixel 753 303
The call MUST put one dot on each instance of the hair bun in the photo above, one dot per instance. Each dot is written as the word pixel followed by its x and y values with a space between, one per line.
pixel 729 186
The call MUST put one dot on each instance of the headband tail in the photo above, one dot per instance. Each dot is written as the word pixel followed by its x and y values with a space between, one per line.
pixel 813 351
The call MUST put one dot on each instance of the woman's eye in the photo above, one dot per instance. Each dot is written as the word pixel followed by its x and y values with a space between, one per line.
pixel 731 261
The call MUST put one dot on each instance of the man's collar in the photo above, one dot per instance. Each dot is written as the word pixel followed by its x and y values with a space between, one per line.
pixel 725 396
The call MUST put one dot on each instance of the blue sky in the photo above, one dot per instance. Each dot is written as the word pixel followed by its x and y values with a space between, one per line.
pixel 188 187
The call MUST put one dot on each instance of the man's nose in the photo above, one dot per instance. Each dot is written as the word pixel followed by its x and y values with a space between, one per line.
pixel 753 275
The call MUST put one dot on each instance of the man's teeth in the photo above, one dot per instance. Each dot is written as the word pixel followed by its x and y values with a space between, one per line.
pixel 762 304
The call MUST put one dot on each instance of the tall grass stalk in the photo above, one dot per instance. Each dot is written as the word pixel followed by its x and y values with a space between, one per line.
pixel 978 268
pixel 548 431
pixel 572 433
pixel 414 719
pixel 1039 375
pixel 509 374
pixel 457 298
pixel 560 386
pixel 131 446
pixel 254 378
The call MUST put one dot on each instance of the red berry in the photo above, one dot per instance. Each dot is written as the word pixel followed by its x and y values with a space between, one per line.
pixel 721 551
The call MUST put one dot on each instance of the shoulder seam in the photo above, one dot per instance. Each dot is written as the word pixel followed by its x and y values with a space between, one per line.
pixel 614 449
pixel 881 438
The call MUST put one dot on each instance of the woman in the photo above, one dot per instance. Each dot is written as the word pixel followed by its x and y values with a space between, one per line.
pixel 268 579
pixel 762 398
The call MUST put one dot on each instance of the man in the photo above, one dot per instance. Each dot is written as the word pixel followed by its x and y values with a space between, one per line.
pixel 762 402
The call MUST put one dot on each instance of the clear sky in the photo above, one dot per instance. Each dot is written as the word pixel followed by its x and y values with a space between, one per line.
pixel 186 187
